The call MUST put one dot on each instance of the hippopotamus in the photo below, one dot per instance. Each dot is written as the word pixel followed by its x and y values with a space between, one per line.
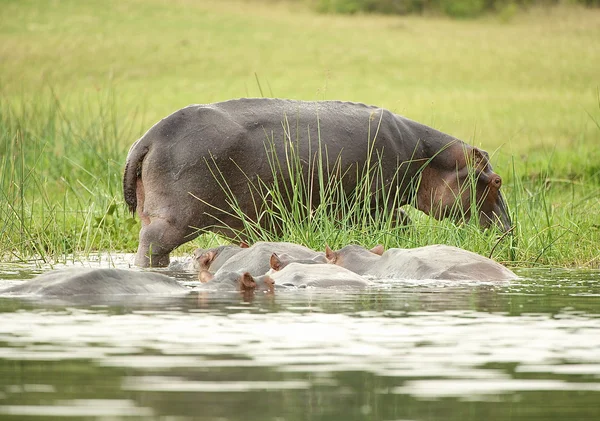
pixel 256 259
pixel 238 280
pixel 278 262
pixel 97 284
pixel 429 262
pixel 295 275
pixel 321 275
pixel 184 173
pixel 212 259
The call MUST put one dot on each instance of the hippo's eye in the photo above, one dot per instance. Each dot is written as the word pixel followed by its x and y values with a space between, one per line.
pixel 497 181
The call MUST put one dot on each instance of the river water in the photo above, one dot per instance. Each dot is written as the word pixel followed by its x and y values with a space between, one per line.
pixel 524 350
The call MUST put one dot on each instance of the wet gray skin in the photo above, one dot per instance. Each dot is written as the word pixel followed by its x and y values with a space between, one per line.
pixel 77 282
pixel 430 262
pixel 234 280
pixel 321 275
pixel 278 262
pixel 256 259
pixel 212 259
pixel 354 258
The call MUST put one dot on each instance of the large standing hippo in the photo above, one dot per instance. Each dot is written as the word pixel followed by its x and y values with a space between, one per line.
pixel 96 284
pixel 430 262
pixel 182 175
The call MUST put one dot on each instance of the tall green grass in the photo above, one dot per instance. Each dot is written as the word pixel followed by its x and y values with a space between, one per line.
pixel 60 180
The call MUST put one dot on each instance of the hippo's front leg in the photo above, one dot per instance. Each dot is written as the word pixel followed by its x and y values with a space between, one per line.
pixel 157 239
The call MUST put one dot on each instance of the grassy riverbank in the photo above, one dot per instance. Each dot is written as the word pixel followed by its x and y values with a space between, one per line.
pixel 81 81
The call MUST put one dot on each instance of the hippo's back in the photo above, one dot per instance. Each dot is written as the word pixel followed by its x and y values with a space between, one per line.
pixel 321 275
pixel 95 282
pixel 246 124
pixel 441 262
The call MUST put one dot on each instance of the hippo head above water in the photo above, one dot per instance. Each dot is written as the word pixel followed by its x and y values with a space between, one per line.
pixel 446 189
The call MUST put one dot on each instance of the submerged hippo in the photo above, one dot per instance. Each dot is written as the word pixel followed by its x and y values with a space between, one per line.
pixel 182 175
pixel 430 262
pixel 256 259
pixel 235 280
pixel 278 262
pixel 321 275
pixel 212 259
pixel 87 282
pixel 295 275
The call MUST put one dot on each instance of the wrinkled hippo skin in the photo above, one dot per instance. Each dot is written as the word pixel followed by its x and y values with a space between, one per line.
pixel 174 174
pixel 97 283
pixel 430 262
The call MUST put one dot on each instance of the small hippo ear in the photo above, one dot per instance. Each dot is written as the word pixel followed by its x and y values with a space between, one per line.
pixel 275 262
pixel 479 159
pixel 244 245
pixel 246 282
pixel 378 249
pixel 206 259
pixel 330 255
pixel 205 276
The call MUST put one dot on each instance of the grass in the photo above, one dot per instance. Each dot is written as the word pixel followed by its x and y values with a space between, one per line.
pixel 80 81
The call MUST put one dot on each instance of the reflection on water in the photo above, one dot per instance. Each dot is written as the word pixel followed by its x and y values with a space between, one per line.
pixel 397 351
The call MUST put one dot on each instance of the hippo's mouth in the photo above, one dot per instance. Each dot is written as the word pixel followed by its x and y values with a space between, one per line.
pixel 499 217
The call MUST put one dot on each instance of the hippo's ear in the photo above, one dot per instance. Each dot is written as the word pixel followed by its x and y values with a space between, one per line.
pixel 479 159
pixel 246 282
pixel 206 259
pixel 330 255
pixel 205 276
pixel 244 245
pixel 275 262
pixel 378 249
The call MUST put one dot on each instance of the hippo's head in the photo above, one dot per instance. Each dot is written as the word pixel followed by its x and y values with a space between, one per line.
pixel 490 203
pixel 354 257
pixel 242 281
pixel 203 258
pixel 446 191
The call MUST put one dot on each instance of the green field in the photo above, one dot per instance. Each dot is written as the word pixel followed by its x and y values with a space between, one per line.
pixel 80 81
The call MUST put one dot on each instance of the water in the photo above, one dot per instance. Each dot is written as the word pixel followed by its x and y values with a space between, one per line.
pixel 524 350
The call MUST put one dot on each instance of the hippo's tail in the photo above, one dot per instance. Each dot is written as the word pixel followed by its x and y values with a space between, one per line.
pixel 133 172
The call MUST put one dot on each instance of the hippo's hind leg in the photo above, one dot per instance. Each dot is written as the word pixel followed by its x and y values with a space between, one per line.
pixel 157 239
